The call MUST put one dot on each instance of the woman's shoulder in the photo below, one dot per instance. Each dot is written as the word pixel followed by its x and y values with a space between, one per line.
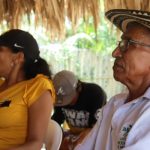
pixel 37 85
pixel 40 79
pixel 40 83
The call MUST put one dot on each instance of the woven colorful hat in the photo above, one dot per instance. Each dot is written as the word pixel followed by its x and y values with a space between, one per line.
pixel 121 17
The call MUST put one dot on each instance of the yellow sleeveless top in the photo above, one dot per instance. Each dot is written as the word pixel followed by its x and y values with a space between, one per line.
pixel 14 104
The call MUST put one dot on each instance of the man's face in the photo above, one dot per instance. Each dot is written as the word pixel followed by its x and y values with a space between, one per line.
pixel 132 60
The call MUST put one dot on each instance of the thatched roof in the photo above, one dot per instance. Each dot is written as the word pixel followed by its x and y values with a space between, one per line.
pixel 49 13
pixel 52 14
pixel 127 4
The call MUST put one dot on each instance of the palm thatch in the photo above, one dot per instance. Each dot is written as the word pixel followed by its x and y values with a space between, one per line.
pixel 52 14
pixel 127 4
pixel 49 13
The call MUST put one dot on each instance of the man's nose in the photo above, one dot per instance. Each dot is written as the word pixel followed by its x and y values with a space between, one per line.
pixel 116 53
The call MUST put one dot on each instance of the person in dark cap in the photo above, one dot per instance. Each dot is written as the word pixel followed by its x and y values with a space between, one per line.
pixel 124 123
pixel 77 103
pixel 26 92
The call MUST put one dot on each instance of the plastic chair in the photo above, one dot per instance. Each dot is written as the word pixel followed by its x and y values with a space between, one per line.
pixel 53 137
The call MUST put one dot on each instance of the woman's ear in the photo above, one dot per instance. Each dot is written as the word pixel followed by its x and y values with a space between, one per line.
pixel 19 58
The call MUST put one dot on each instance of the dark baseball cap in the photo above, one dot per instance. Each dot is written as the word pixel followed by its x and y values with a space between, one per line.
pixel 17 39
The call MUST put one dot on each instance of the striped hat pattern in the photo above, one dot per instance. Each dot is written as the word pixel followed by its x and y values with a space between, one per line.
pixel 121 17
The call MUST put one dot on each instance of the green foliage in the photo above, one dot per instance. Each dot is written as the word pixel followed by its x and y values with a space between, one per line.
pixel 101 41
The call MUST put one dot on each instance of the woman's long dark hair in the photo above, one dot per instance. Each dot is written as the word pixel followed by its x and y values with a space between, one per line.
pixel 38 66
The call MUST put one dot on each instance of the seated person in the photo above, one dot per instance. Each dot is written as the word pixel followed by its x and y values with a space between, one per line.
pixel 77 103
pixel 125 120
pixel 26 92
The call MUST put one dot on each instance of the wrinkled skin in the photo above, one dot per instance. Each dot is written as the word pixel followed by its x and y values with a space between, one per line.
pixel 132 68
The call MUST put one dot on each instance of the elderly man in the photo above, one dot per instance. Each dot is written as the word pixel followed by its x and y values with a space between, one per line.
pixel 125 120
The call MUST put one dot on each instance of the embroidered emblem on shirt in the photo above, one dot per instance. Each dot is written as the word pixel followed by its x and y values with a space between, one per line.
pixel 5 103
pixel 123 135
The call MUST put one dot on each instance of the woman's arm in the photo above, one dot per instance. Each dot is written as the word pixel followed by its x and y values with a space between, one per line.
pixel 38 118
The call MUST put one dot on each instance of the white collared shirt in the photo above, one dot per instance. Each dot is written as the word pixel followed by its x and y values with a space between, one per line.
pixel 122 126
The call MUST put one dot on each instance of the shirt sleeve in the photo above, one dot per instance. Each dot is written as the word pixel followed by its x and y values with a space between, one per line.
pixel 36 87
pixel 58 115
pixel 89 141
pixel 98 96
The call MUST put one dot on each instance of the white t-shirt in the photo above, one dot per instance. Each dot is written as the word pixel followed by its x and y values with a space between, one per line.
pixel 122 126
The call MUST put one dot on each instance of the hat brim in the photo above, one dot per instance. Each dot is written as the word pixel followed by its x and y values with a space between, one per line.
pixel 121 17
pixel 65 100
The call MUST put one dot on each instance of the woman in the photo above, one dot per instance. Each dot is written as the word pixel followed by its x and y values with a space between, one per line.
pixel 26 92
